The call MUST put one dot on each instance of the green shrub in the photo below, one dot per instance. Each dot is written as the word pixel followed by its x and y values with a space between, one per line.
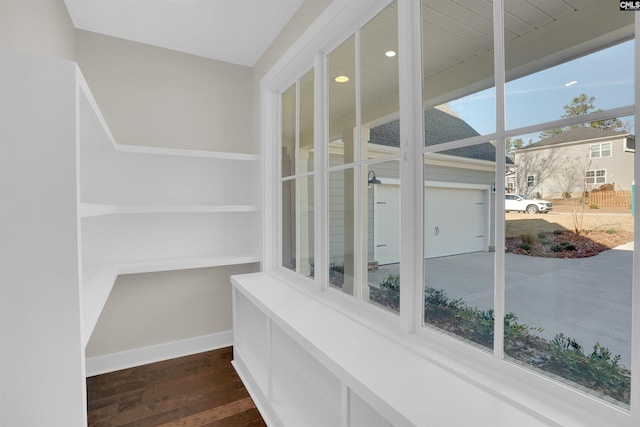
pixel 388 294
pixel 562 356
pixel 594 206
pixel 391 282
pixel 542 235
pixel 557 232
pixel 610 231
pixel 556 248
pixel 595 370
pixel 525 246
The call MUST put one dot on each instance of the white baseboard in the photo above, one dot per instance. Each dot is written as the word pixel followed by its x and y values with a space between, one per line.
pixel 156 353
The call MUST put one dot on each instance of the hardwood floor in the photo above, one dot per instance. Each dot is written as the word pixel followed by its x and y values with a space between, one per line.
pixel 197 390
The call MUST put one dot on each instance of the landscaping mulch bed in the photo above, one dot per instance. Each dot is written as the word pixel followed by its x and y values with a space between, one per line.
pixel 567 244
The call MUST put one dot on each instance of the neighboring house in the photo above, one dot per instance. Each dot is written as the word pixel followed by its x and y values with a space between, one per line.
pixel 458 193
pixel 575 161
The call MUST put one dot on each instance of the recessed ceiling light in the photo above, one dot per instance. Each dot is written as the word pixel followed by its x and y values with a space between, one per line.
pixel 390 53
pixel 341 79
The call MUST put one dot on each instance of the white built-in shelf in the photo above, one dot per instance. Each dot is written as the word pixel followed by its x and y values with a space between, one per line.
pixel 326 368
pixel 87 210
pixel 148 209
pixel 98 279
pixel 222 155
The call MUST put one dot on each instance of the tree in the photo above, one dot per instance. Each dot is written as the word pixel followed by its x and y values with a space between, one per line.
pixel 581 105
pixel 514 144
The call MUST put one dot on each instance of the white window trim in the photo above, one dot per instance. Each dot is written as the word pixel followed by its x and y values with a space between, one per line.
pixel 595 176
pixel 533 185
pixel 599 145
pixel 540 394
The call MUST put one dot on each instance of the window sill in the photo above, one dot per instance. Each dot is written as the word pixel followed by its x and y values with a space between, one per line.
pixel 407 380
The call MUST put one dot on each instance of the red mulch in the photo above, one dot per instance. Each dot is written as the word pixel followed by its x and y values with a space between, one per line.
pixel 587 244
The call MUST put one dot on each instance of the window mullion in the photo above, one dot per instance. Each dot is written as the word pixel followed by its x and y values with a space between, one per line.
pixel 297 180
pixel 321 222
pixel 358 172
pixel 635 312
pixel 411 179
pixel 499 259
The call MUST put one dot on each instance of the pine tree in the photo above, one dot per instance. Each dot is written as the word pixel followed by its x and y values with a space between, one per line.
pixel 581 105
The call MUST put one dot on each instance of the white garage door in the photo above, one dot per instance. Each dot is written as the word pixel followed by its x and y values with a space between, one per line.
pixel 455 221
pixel 386 231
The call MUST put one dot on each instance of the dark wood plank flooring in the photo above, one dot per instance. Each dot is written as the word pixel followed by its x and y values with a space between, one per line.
pixel 197 390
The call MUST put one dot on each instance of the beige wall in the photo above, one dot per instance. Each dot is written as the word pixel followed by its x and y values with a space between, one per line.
pixel 158 97
pixel 40 27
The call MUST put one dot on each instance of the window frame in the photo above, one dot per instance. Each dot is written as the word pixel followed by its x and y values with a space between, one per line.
pixel 531 181
pixel 600 150
pixel 426 341
pixel 596 176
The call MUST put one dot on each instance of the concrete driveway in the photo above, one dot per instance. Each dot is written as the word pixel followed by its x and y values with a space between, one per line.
pixel 588 299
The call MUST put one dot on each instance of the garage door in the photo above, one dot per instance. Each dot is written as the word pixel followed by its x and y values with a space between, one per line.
pixel 455 221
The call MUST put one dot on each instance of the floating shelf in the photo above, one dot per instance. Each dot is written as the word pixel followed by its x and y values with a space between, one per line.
pixel 87 210
pixel 98 279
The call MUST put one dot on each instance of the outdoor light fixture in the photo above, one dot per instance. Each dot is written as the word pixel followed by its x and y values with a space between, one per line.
pixel 372 178
pixel 341 79
pixel 390 53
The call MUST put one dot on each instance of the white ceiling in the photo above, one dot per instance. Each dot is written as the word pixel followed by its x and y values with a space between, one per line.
pixel 235 31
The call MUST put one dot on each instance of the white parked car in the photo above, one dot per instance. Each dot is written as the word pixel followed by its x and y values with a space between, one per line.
pixel 521 203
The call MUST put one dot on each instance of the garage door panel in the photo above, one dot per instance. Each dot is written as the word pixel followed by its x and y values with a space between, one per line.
pixel 455 221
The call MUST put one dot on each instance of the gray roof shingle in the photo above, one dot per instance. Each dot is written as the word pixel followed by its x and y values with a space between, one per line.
pixel 581 133
pixel 440 127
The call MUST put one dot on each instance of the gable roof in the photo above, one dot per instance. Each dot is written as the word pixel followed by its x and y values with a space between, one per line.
pixel 578 134
pixel 441 126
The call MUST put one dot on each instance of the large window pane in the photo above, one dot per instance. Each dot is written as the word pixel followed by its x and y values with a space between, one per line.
pixel 383 235
pixel 569 244
pixel 289 224
pixel 457 43
pixel 341 66
pixel 537 92
pixel 379 84
pixel 342 230
pixel 306 141
pixel 288 141
pixel 459 242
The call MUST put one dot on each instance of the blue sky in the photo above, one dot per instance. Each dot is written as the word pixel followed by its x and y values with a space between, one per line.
pixel 606 75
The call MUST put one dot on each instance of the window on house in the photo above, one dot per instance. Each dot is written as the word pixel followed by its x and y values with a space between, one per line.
pixel 600 150
pixel 297 188
pixel 597 176
pixel 510 295
pixel 364 169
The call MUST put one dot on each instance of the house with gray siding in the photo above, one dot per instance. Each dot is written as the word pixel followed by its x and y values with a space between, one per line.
pixel 581 159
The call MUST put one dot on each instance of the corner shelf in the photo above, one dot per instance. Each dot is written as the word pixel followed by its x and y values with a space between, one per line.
pixel 98 279
pixel 149 209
